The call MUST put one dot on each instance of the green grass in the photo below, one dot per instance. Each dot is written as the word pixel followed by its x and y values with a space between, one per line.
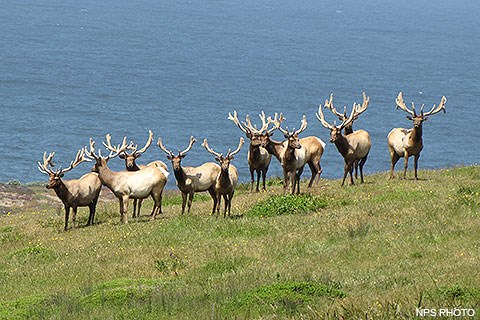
pixel 375 251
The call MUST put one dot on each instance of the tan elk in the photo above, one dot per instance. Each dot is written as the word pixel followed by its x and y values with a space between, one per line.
pixel 192 179
pixel 227 179
pixel 140 184
pixel 83 192
pixel 131 165
pixel 258 157
pixel 313 151
pixel 353 147
pixel 343 116
pixel 408 142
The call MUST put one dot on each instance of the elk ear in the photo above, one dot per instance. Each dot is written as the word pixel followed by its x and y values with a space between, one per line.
pixel 218 159
pixel 286 136
pixel 61 175
pixel 270 134
pixel 231 158
pixel 137 155
pixel 425 118
pixel 169 157
pixel 122 156
pixel 182 156
pixel 409 118
pixel 249 135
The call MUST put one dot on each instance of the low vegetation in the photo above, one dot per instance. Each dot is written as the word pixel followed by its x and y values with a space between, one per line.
pixel 373 251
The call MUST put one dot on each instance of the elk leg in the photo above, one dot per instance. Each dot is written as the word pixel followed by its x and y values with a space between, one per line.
pixel 264 176
pixel 297 178
pixel 405 165
pixel 190 200
pixel 184 201
pixel 134 208
pixel 361 164
pixel 356 169
pixel 91 216
pixel 258 181
pixel 225 199
pixel 214 197
pixel 415 164
pixel 346 170
pixel 124 209
pixel 252 179
pixel 286 181
pixel 67 213
pixel 74 216
pixel 230 203
pixel 314 170
pixel 394 157
pixel 219 202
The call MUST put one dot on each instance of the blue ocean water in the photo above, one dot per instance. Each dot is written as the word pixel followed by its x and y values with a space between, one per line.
pixel 71 70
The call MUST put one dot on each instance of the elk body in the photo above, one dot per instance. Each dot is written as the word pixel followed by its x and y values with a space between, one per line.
pixel 227 179
pixel 192 179
pixel 140 184
pixel 258 157
pixel 83 192
pixel 406 143
pixel 131 165
pixel 294 153
pixel 354 146
pixel 343 116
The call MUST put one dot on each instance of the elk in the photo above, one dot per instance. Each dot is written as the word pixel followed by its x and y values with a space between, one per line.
pixel 258 157
pixel 406 143
pixel 131 165
pixel 313 146
pixel 140 184
pixel 227 179
pixel 353 147
pixel 192 179
pixel 343 116
pixel 83 192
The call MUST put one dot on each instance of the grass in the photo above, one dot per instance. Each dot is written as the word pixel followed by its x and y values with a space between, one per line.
pixel 375 251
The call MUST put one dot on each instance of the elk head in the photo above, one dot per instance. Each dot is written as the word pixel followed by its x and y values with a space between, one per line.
pixel 343 116
pixel 419 118
pixel 176 159
pixel 133 155
pixel 101 162
pixel 223 160
pixel 336 131
pixel 291 136
pixel 251 131
pixel 55 176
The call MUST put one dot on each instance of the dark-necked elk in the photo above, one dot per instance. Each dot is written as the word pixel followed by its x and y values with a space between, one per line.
pixel 227 179
pixel 353 147
pixel 140 184
pixel 131 165
pixel 406 143
pixel 258 157
pixel 310 149
pixel 343 116
pixel 83 192
pixel 192 179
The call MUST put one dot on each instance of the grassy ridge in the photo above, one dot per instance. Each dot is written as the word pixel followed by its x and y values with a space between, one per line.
pixel 375 250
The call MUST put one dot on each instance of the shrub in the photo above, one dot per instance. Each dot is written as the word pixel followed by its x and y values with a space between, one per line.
pixel 278 205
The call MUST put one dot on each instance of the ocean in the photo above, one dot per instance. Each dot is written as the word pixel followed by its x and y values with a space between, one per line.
pixel 71 70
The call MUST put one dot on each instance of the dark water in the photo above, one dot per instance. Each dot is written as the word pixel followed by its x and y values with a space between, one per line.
pixel 70 70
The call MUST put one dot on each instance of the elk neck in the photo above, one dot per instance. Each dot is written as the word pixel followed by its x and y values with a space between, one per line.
pixel 275 148
pixel 289 154
pixel 106 175
pixel 342 145
pixel 61 191
pixel 180 176
pixel 416 134
pixel 224 178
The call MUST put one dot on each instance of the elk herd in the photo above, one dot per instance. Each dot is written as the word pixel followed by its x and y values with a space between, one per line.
pixel 220 178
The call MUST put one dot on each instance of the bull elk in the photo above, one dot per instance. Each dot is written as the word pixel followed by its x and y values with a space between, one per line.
pixel 258 157
pixel 83 192
pixel 192 179
pixel 140 184
pixel 406 143
pixel 131 165
pixel 227 179
pixel 312 146
pixel 343 116
pixel 354 146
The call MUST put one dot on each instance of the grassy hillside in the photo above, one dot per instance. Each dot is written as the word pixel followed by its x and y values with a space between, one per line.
pixel 376 250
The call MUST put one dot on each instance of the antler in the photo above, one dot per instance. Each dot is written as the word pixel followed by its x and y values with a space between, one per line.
pixel 349 120
pixel 162 147
pixel 47 161
pixel 240 144
pixel 109 146
pixel 205 144
pixel 147 145
pixel 329 105
pixel 234 118
pixel 113 153
pixel 252 128
pixel 303 126
pixel 275 121
pixel 321 117
pixel 436 109
pixel 79 158
pixel 401 105
pixel 359 109
pixel 192 141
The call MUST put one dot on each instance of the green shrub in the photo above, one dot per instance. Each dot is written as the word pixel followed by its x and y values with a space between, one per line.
pixel 278 205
